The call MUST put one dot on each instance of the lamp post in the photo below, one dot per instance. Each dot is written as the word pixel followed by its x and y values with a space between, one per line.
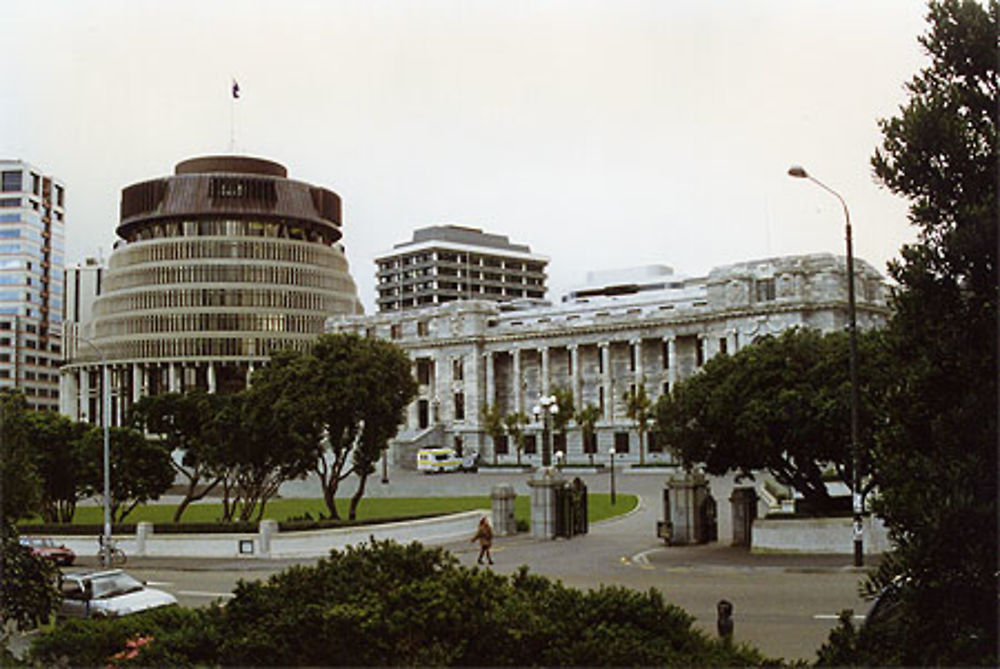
pixel 105 416
pixel 559 458
pixel 800 173
pixel 611 452
pixel 547 407
pixel 385 466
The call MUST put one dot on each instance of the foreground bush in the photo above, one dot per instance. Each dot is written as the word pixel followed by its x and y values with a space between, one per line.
pixel 388 604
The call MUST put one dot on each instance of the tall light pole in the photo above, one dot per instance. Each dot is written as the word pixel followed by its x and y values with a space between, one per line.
pixel 547 406
pixel 105 419
pixel 799 172
pixel 611 452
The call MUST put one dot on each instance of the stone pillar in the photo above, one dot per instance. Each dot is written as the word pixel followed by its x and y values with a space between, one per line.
pixel 503 498
pixel 545 379
pixel 637 352
pixel 142 533
pixel 687 493
pixel 250 370
pixel 266 530
pixel 69 395
pixel 211 377
pixel 672 361
pixel 743 503
pixel 543 502
pixel 518 399
pixel 173 379
pixel 136 382
pixel 117 398
pixel 85 394
pixel 574 362
pixel 491 390
pixel 609 400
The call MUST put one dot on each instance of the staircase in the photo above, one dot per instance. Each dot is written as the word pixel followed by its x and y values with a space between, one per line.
pixel 406 444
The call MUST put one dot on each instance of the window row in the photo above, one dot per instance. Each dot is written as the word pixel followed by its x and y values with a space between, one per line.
pixel 255 274
pixel 210 322
pixel 201 347
pixel 234 228
pixel 277 250
pixel 222 297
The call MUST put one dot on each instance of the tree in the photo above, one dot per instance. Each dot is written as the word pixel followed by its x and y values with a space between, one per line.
pixel 935 456
pixel 493 424
pixel 587 418
pixel 140 469
pixel 564 414
pixel 261 444
pixel 20 486
pixel 184 422
pixel 62 464
pixel 28 596
pixel 639 407
pixel 781 404
pixel 514 423
pixel 342 402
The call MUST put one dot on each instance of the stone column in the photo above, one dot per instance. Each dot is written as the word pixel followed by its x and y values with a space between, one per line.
pixel 173 380
pixel 211 378
pixel 69 395
pixel 574 362
pixel 637 352
pixel 609 400
pixel 518 399
pixel 544 379
pixel 84 394
pixel 672 361
pixel 117 398
pixel 491 391
pixel 250 370
pixel 543 502
pixel 136 382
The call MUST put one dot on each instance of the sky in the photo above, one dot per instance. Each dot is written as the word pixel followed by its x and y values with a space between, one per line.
pixel 603 134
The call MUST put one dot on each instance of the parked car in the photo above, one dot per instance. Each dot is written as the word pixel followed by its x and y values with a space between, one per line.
pixel 438 460
pixel 108 593
pixel 50 550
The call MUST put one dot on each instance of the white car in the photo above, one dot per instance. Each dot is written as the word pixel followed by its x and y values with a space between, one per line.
pixel 108 593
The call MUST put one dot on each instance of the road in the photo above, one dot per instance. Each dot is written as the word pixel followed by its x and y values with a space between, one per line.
pixel 784 604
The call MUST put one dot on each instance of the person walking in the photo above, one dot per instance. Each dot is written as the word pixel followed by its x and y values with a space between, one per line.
pixel 484 534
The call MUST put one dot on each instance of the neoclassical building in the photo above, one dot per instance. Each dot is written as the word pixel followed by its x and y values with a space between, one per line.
pixel 217 267
pixel 644 326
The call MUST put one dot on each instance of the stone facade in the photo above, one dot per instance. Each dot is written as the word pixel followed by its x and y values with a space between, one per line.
pixel 600 343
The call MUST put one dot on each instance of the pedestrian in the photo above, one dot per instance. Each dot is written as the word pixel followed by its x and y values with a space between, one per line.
pixel 724 624
pixel 484 534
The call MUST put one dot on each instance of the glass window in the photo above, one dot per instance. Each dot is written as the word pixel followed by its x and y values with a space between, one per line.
pixel 11 181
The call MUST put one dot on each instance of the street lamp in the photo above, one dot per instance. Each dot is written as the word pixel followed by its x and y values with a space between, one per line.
pixel 547 407
pixel 611 452
pixel 799 172
pixel 105 419
pixel 559 458
pixel 385 466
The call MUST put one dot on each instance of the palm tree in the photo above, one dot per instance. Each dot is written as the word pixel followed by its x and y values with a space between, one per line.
pixel 587 418
pixel 492 421
pixel 515 423
pixel 639 408
pixel 562 417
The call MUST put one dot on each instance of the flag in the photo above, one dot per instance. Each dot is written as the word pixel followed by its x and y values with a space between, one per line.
pixel 236 89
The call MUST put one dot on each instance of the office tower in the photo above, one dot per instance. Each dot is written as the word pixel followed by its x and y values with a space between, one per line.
pixel 32 247
pixel 444 263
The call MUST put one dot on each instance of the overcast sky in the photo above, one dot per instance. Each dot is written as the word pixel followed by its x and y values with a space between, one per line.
pixel 602 134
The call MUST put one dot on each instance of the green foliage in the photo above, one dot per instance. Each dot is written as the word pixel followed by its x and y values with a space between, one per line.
pixel 587 418
pixel 20 485
pixel 140 469
pixel 781 404
pixel 185 423
pixel 514 424
pixel 492 421
pixel 562 417
pixel 639 407
pixel 387 605
pixel 28 596
pixel 935 456
pixel 61 462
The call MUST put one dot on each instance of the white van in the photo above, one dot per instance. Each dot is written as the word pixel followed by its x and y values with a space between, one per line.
pixel 438 460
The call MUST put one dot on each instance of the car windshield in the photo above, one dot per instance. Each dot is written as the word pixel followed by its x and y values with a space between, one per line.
pixel 112 585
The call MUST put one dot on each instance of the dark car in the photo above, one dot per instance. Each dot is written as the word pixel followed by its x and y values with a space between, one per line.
pixel 50 550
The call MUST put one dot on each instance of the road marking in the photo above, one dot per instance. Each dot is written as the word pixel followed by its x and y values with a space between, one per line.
pixel 831 616
pixel 158 584
pixel 199 593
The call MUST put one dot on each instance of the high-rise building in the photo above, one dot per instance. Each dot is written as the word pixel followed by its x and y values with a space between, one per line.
pixel 444 263
pixel 216 268
pixel 32 248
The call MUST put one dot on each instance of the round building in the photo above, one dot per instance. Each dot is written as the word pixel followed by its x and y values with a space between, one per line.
pixel 216 268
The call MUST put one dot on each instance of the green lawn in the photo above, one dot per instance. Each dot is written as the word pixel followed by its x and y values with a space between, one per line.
pixel 599 508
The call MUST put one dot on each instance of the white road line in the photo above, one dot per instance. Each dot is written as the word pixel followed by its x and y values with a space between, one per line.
pixel 200 593
pixel 832 616
pixel 158 584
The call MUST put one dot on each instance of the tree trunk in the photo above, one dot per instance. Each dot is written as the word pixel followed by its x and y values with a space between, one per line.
pixel 356 498
pixel 190 496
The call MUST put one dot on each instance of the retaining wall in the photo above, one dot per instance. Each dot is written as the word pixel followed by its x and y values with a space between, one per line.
pixel 818 535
